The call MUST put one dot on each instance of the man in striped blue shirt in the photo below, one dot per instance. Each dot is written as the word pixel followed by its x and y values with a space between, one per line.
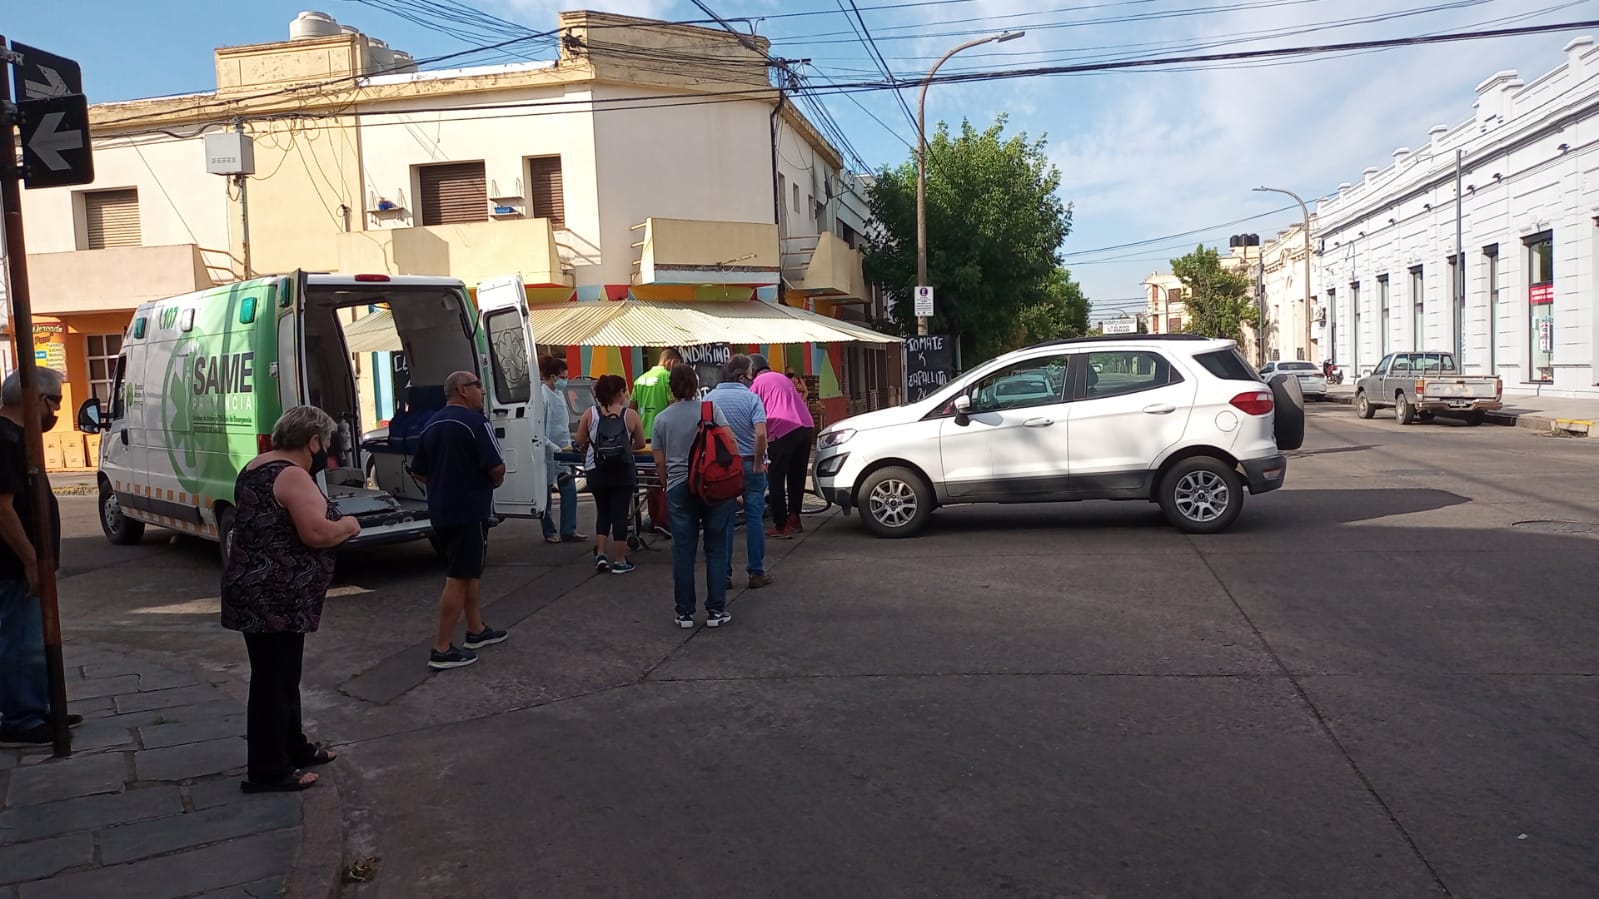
pixel 746 415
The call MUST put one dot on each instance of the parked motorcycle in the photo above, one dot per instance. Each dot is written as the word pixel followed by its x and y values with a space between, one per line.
pixel 1334 374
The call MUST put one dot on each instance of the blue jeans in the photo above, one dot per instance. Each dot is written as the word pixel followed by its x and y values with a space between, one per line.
pixel 754 522
pixel 689 517
pixel 24 684
pixel 568 509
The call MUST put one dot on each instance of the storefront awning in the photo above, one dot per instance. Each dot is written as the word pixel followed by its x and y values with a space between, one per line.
pixel 652 324
pixel 668 323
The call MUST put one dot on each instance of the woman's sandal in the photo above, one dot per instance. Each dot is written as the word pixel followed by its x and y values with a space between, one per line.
pixel 322 757
pixel 292 783
pixel 552 539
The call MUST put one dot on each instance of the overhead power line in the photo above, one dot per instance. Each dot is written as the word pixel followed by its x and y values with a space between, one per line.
pixel 647 101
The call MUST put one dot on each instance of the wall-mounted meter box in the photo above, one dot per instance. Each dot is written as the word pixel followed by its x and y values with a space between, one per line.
pixel 230 153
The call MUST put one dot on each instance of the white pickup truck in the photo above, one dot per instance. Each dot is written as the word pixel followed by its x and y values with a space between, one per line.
pixel 1419 385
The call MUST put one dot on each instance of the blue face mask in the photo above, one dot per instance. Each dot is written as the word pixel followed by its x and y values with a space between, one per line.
pixel 560 383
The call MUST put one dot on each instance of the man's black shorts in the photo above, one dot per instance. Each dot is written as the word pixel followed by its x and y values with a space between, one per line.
pixel 466 549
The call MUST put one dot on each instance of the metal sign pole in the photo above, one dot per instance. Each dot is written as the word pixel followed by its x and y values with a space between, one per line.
pixel 22 327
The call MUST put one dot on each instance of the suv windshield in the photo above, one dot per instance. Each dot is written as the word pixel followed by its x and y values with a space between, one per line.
pixel 1227 365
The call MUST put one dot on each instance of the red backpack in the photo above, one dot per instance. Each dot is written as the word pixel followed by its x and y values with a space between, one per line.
pixel 715 469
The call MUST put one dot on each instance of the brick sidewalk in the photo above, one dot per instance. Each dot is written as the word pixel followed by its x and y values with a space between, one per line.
pixel 148 806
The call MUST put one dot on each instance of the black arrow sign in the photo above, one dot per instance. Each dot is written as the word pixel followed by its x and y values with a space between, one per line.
pixel 55 142
pixel 42 74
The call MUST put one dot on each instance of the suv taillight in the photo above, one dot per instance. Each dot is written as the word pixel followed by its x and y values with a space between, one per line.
pixel 1255 402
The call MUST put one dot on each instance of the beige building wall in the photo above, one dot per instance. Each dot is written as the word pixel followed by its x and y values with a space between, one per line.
pixel 306 174
pixel 178 202
pixel 679 162
pixel 395 146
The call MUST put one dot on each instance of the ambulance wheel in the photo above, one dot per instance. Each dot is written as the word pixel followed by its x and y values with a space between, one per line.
pixel 119 529
pixel 225 519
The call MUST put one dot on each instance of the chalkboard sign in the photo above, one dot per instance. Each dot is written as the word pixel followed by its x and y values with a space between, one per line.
pixel 929 364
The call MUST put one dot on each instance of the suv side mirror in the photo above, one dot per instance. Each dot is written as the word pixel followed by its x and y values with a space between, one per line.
pixel 89 418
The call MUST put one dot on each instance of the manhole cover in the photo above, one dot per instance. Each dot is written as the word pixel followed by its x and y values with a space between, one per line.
pixel 1564 528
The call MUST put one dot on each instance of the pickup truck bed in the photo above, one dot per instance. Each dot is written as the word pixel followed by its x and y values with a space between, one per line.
pixel 1421 384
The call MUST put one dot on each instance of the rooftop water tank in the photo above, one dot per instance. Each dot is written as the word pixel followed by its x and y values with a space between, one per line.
pixel 309 25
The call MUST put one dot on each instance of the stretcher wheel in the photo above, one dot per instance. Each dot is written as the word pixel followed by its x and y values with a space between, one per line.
pixel 634 542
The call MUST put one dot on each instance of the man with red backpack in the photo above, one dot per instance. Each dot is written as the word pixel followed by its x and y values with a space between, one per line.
pixel 704 474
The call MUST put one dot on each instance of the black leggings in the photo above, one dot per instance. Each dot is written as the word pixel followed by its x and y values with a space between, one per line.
pixel 611 507
pixel 791 462
pixel 274 735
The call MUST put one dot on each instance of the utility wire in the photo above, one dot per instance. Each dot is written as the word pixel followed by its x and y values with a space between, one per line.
pixel 751 93
pixel 876 54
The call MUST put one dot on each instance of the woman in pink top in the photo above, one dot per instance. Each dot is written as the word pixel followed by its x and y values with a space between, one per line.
pixel 792 431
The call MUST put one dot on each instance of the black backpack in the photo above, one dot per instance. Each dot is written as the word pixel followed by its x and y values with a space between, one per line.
pixel 612 443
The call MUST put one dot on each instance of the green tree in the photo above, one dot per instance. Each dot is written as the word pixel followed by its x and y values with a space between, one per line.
pixel 1219 302
pixel 1059 311
pixel 994 229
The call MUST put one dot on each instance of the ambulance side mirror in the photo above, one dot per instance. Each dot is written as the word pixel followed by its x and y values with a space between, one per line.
pixel 89 420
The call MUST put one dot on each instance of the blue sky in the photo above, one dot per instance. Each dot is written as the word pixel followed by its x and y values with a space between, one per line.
pixel 1143 154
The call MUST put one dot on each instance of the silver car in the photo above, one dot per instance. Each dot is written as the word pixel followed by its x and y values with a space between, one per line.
pixel 1311 380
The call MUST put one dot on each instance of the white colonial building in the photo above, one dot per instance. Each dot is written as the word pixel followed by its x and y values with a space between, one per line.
pixel 1528 216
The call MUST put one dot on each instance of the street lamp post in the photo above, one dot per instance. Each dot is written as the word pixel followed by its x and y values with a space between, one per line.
pixel 921 160
pixel 1304 210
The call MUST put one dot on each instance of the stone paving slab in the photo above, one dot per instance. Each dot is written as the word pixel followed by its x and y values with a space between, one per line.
pixel 166 699
pixel 43 858
pixel 89 813
pixel 147 839
pixel 177 733
pixel 145 806
pixel 271 888
pixel 190 761
pixel 105 686
pixel 86 775
pixel 232 863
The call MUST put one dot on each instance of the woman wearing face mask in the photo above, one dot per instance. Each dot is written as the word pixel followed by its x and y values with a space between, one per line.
pixel 280 562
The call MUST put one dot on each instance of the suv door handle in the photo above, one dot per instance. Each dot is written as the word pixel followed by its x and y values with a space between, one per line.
pixel 1160 409
pixel 1038 422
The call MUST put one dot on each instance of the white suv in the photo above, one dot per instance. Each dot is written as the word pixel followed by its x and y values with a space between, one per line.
pixel 1179 420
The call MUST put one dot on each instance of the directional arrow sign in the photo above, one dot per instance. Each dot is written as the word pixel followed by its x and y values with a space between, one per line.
pixel 55 142
pixel 44 74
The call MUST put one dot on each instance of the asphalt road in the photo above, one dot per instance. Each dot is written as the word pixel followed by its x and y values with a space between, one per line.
pixel 1381 683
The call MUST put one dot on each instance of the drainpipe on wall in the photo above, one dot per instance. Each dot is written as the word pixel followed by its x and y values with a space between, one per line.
pixel 777 196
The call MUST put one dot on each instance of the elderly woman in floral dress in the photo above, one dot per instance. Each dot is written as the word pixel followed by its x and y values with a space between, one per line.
pixel 280 563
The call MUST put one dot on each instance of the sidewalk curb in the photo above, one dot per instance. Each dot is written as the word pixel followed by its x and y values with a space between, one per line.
pixel 318 861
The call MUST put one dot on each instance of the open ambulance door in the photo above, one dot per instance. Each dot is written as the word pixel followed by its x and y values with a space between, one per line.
pixel 515 400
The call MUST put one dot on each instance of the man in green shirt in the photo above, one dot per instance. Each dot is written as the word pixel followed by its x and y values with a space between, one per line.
pixel 652 392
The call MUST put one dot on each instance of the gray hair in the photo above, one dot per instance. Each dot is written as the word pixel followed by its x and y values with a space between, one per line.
pixel 48 380
pixel 297 426
pixel 738 366
pixel 457 381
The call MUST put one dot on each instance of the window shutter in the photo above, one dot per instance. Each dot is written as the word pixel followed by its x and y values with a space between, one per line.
pixel 454 194
pixel 112 217
pixel 549 193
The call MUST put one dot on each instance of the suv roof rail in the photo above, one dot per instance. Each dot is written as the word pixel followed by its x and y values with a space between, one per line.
pixel 1114 337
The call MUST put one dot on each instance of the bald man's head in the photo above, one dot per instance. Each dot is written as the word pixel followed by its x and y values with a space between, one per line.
pixel 464 388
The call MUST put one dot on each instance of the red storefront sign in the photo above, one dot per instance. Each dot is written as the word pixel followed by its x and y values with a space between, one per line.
pixel 1541 294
